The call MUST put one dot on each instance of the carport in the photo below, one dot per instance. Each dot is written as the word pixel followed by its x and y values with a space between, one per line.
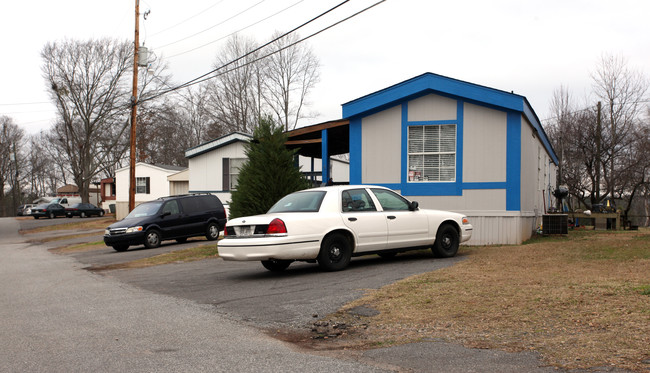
pixel 321 141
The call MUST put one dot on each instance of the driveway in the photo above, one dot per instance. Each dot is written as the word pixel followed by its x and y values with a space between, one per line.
pixel 205 314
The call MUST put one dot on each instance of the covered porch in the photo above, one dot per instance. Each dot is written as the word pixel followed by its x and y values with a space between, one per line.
pixel 321 141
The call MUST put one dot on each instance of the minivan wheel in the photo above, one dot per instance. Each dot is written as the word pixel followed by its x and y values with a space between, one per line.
pixel 212 231
pixel 120 247
pixel 152 239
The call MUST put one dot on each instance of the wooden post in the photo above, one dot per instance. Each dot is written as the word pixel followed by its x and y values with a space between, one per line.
pixel 134 108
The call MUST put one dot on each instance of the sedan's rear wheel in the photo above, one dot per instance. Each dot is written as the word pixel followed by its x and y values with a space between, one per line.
pixel 274 265
pixel 51 216
pixel 82 215
pixel 101 213
pixel 152 239
pixel 447 241
pixel 335 253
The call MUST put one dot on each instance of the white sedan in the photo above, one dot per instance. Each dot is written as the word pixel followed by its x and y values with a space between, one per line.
pixel 331 224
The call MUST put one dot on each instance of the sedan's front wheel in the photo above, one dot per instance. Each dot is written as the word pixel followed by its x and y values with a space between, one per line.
pixel 335 253
pixel 276 265
pixel 447 241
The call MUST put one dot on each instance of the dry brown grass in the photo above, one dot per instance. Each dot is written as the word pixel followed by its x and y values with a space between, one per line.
pixel 179 256
pixel 580 301
pixel 75 224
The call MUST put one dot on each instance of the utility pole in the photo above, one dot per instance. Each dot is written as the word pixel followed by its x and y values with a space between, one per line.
pixel 599 132
pixel 134 108
pixel 16 187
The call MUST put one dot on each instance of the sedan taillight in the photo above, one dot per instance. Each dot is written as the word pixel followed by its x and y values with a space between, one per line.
pixel 277 226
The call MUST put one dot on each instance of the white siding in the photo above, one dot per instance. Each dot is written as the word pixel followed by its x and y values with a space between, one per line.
pixel 206 170
pixel 158 186
pixel 381 147
pixel 471 200
pixel 484 146
pixel 432 107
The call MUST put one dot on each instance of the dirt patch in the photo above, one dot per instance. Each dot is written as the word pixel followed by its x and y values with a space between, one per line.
pixel 581 301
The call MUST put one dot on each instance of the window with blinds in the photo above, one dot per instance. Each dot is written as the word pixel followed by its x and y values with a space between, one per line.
pixel 142 185
pixel 235 165
pixel 432 153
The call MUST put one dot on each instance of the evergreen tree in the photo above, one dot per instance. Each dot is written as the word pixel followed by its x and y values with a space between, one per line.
pixel 268 174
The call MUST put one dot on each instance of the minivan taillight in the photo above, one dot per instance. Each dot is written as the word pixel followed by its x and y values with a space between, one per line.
pixel 277 226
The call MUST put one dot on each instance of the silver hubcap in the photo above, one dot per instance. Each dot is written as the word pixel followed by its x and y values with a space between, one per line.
pixel 152 238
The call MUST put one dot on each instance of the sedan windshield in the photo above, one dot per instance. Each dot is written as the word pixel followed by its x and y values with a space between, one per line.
pixel 299 202
pixel 145 209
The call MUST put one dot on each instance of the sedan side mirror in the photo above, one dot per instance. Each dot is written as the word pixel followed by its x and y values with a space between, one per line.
pixel 413 206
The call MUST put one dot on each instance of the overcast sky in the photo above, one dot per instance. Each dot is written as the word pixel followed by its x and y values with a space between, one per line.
pixel 529 47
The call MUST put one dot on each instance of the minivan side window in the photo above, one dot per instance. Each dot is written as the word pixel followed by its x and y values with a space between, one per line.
pixel 190 205
pixel 171 207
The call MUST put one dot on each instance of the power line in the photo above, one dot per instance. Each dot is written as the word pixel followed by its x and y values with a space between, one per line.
pixel 187 19
pixel 26 103
pixel 213 26
pixel 587 109
pixel 235 32
pixel 195 80
pixel 281 49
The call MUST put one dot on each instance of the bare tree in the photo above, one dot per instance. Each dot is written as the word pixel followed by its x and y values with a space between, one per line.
pixel 88 83
pixel 290 74
pixel 611 141
pixel 622 90
pixel 235 93
pixel 11 137
pixel 42 175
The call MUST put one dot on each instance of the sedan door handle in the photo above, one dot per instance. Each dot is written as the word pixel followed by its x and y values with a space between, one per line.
pixel 391 217
pixel 352 219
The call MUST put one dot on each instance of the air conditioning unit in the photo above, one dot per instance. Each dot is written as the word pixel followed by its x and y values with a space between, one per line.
pixel 555 224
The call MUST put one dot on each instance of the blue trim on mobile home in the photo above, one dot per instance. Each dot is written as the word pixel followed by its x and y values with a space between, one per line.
pixel 515 106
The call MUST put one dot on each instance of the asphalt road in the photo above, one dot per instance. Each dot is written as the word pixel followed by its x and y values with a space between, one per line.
pixel 200 316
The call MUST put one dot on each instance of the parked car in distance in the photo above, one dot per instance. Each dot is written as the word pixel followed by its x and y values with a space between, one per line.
pixel 168 218
pixel 66 201
pixel 22 209
pixel 49 210
pixel 83 209
pixel 331 224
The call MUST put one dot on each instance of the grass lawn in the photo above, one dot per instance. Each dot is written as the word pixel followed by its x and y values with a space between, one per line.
pixel 581 300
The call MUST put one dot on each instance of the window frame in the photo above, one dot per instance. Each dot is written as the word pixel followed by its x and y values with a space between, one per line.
pixel 233 177
pixel 415 173
pixel 146 186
